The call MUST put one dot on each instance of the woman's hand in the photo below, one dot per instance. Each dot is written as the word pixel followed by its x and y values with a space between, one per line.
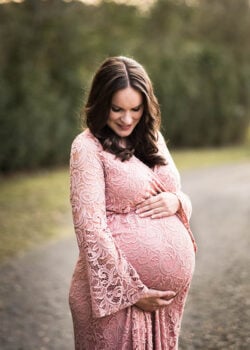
pixel 160 205
pixel 155 300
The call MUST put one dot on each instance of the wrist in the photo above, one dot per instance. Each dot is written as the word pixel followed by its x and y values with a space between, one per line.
pixel 178 202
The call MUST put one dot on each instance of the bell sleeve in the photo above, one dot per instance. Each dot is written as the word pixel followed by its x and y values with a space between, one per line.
pixel 114 283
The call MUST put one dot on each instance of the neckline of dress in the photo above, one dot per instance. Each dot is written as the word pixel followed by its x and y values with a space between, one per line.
pixel 152 170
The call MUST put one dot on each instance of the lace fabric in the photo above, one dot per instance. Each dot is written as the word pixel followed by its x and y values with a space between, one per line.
pixel 113 282
pixel 113 272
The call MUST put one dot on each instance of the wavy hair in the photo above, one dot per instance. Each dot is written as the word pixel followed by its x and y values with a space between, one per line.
pixel 117 73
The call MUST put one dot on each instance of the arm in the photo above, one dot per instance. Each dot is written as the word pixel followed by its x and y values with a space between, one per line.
pixel 114 284
pixel 185 208
pixel 163 202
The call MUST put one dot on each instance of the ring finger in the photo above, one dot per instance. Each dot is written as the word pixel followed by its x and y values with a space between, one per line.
pixel 150 212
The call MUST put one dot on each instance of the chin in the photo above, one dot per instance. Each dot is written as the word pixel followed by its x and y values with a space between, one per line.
pixel 124 133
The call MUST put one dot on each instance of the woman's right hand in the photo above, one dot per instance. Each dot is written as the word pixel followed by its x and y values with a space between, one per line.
pixel 155 299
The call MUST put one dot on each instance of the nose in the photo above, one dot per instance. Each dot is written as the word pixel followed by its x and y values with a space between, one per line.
pixel 126 118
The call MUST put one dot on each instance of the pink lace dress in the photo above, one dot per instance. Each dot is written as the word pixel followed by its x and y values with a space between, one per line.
pixel 122 255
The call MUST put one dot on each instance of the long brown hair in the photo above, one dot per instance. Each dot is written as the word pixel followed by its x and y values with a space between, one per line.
pixel 114 74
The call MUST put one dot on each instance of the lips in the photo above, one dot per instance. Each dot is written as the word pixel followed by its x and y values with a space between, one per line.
pixel 125 127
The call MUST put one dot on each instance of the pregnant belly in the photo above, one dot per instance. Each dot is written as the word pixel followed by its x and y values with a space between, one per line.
pixel 160 250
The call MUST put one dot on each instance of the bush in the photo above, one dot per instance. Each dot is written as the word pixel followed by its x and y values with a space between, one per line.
pixel 199 91
pixel 51 48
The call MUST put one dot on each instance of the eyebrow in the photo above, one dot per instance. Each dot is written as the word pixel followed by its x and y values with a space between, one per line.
pixel 114 105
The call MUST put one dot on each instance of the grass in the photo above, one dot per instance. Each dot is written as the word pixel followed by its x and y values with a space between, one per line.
pixel 35 208
pixel 191 159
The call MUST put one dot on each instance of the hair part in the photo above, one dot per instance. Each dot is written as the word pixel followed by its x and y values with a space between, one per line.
pixel 117 73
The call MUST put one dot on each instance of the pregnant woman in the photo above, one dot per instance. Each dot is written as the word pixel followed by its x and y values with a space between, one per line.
pixel 136 249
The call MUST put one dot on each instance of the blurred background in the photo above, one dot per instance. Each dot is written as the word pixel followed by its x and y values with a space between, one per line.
pixel 197 53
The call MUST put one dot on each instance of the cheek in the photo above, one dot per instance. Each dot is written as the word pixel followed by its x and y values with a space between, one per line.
pixel 112 118
pixel 138 117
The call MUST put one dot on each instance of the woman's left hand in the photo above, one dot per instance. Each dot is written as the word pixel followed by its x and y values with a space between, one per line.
pixel 158 206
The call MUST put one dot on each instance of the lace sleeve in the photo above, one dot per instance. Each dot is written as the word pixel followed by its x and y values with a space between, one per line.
pixel 114 284
pixel 185 210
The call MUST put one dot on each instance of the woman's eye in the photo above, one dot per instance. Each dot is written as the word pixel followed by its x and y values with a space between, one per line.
pixel 115 109
pixel 136 109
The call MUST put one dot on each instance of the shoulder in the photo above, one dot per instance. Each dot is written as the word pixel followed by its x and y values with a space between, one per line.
pixel 161 143
pixel 86 142
pixel 85 151
pixel 163 148
pixel 160 137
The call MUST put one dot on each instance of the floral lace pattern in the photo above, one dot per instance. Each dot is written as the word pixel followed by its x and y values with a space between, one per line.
pixel 122 255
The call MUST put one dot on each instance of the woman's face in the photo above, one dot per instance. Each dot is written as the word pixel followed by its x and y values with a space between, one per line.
pixel 125 112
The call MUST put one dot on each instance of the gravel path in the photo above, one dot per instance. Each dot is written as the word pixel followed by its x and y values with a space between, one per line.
pixel 218 310
pixel 34 311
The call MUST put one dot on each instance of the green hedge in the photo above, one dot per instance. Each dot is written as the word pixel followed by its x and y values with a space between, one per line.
pixel 200 95
pixel 50 49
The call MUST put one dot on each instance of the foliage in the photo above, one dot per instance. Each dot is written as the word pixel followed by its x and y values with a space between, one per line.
pixel 197 56
pixel 202 88
pixel 41 85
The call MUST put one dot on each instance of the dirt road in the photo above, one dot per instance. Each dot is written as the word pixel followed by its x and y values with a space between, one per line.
pixel 218 309
pixel 34 287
